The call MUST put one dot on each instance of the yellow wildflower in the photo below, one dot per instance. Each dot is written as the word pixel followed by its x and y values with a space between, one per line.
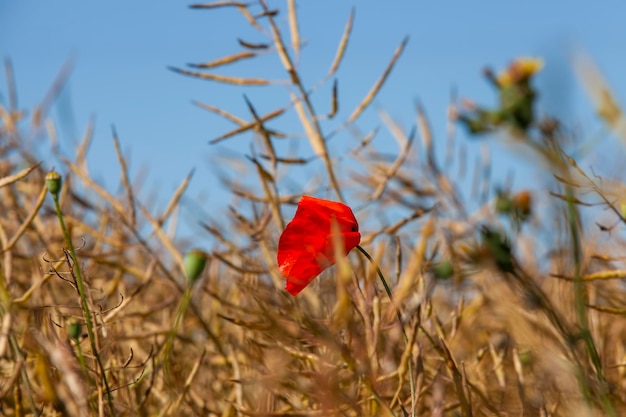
pixel 521 69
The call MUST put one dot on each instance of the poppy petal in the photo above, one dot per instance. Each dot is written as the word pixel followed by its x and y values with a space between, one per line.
pixel 306 248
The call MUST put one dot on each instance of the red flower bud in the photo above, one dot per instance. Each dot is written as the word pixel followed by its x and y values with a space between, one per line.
pixel 306 246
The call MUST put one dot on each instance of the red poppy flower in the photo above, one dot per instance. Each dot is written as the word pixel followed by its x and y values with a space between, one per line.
pixel 306 248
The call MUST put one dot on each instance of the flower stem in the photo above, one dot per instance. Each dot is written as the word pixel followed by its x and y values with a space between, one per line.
pixel 406 337
pixel 164 357
pixel 580 302
pixel 83 300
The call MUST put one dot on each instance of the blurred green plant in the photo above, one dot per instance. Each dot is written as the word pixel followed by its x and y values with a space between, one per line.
pixel 516 99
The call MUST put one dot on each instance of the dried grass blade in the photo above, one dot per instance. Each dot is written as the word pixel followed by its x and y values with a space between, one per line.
pixel 272 196
pixel 575 200
pixel 7 277
pixel 144 277
pixel 263 132
pixel 595 187
pixel 192 374
pixel 567 181
pixel 9 382
pixel 176 198
pixel 394 228
pixel 258 199
pixel 81 151
pixel 379 83
pixel 174 407
pixel 8 120
pixel 60 355
pixel 311 124
pixel 427 137
pixel 269 256
pixel 601 95
pixel 457 378
pixel 610 310
pixel 16 177
pixel 220 112
pixel 293 27
pixel 10 74
pixel 366 141
pixel 605 275
pixel 33 288
pixel 99 235
pixel 519 371
pixel 40 112
pixel 451 130
pixel 498 366
pixel 411 276
pixel 217 4
pixel 103 225
pixel 27 221
pixel 394 127
pixel 276 133
pixel 267 13
pixel 334 103
pixel 280 47
pixel 246 269
pixel 225 60
pixel 125 179
pixel 341 49
pixel 215 232
pixel 407 356
pixel 225 78
pixel 251 45
pixel 253 22
pixel 165 240
pixel 94 186
pixel 294 161
pixel 141 275
pixel 248 126
pixel 317 142
pixel 393 169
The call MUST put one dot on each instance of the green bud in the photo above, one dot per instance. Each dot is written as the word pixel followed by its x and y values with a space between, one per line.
pixel 504 204
pixel 526 357
pixel 54 182
pixel 443 270
pixel 74 330
pixel 195 261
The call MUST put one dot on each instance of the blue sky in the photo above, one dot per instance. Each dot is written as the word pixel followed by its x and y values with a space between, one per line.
pixel 121 51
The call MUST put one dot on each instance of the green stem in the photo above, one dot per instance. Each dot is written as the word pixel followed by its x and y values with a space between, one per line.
pixel 81 359
pixel 406 337
pixel 169 343
pixel 581 307
pixel 83 300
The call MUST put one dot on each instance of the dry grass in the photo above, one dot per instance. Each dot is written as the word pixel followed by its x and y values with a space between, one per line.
pixel 516 333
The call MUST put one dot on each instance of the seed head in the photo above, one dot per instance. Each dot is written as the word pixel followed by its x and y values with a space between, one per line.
pixel 195 261
pixel 54 182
